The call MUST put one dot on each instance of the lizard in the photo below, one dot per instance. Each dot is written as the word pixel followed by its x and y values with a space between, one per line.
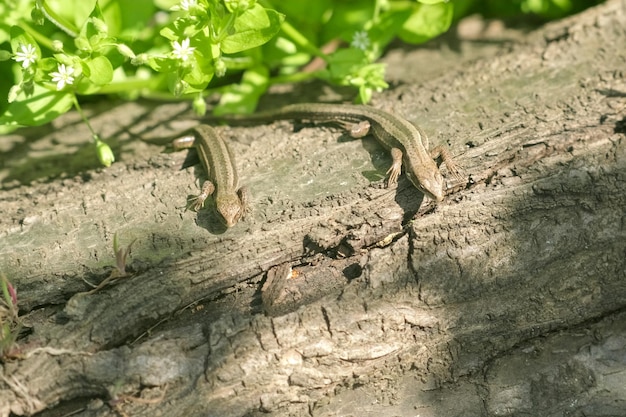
pixel 231 201
pixel 406 141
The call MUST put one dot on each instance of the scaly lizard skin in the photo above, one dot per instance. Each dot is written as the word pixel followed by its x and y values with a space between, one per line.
pixel 231 201
pixel 407 142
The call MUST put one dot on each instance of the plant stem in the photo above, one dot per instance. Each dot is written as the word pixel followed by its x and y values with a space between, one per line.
pixel 94 135
pixel 129 84
pixel 41 39
pixel 295 77
pixel 301 41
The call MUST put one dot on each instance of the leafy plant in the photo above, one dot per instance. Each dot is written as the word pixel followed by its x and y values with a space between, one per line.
pixel 54 51
pixel 120 266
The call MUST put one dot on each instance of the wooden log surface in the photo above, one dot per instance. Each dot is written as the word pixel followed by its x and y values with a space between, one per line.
pixel 333 282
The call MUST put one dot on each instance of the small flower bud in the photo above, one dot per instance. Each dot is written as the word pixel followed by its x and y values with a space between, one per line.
pixel 180 87
pixel 140 59
pixel 104 152
pixel 220 67
pixel 82 44
pixel 125 50
pixel 14 92
pixel 99 25
pixel 38 17
pixel 199 105
pixel 57 45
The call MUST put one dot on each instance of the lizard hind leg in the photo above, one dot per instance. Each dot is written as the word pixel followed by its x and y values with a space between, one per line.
pixel 360 130
pixel 355 130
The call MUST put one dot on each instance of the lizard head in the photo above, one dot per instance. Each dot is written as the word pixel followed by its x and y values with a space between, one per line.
pixel 431 185
pixel 229 209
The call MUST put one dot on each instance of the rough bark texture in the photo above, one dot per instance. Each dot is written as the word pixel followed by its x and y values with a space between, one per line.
pixel 505 300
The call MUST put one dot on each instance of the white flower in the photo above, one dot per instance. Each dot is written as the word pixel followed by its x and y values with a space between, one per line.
pixel 182 50
pixel 62 76
pixel 360 40
pixel 26 55
pixel 186 4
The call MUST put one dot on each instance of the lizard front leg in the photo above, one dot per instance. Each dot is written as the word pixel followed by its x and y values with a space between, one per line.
pixel 362 129
pixel 244 199
pixel 396 166
pixel 197 202
pixel 442 155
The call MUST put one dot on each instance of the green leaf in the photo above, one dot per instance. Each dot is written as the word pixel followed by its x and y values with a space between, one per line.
pixel 46 65
pixel 128 18
pixel 94 32
pixel 426 22
pixel 161 64
pixel 235 6
pixel 68 14
pixel 82 10
pixel 387 28
pixel 169 33
pixel 100 70
pixel 12 13
pixel 61 14
pixel 198 78
pixel 166 4
pixel 346 18
pixel 253 28
pixel 308 15
pixel 40 108
pixel 198 74
pixel 344 62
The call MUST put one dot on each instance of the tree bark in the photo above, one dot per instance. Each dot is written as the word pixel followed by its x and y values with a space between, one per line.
pixel 333 282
